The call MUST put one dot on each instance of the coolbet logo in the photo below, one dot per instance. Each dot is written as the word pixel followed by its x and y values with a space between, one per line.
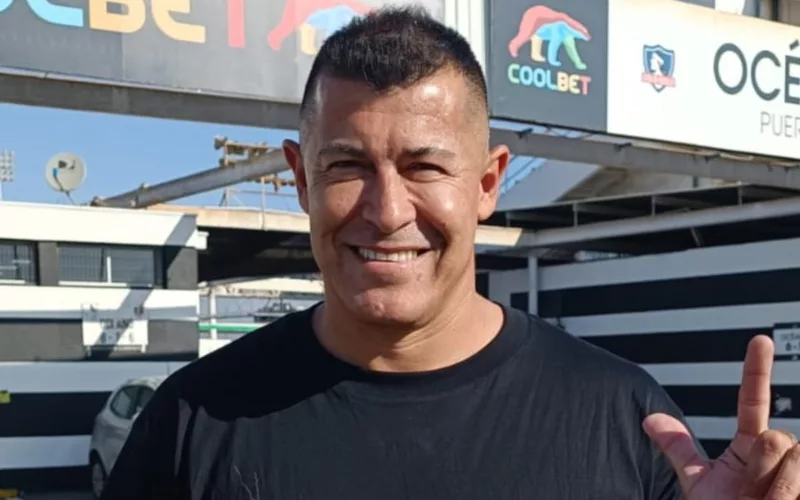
pixel 315 19
pixel 771 79
pixel 659 66
pixel 542 24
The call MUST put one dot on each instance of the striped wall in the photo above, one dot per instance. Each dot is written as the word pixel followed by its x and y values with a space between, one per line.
pixel 686 317
pixel 44 435
pixel 51 385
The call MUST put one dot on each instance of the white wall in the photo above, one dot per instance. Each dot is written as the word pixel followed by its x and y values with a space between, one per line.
pixel 66 302
pixel 81 224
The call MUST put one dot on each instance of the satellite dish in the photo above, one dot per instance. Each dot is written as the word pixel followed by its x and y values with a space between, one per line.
pixel 65 172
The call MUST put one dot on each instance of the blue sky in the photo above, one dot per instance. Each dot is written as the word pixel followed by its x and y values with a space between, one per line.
pixel 122 152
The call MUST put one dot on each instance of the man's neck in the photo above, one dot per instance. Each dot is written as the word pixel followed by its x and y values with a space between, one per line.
pixel 460 330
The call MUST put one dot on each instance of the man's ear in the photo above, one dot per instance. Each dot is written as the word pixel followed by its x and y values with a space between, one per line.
pixel 491 180
pixel 291 151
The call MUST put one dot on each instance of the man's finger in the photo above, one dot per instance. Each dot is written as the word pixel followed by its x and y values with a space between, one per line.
pixel 678 445
pixel 754 393
pixel 764 461
pixel 786 485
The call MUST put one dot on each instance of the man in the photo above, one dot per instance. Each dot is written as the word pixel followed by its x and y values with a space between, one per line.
pixel 405 383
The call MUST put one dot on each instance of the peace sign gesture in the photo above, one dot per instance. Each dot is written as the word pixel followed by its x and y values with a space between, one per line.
pixel 760 463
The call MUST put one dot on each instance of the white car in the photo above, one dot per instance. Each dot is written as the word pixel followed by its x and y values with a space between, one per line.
pixel 113 423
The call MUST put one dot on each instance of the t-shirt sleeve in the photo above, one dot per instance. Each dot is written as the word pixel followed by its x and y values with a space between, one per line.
pixel 146 466
pixel 664 483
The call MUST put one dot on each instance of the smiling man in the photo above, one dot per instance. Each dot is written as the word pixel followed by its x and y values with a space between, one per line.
pixel 405 383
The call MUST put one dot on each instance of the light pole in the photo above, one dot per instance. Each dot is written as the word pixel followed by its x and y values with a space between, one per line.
pixel 6 169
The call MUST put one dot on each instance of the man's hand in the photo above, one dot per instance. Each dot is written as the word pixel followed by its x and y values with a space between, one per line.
pixel 760 463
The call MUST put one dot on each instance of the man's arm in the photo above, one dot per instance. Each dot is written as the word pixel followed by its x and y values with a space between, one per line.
pixel 147 465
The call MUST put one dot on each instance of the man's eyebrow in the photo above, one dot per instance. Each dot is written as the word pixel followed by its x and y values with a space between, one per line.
pixel 342 150
pixel 429 151
pixel 336 149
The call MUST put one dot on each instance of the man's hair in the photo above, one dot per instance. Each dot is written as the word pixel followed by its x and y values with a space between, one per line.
pixel 393 47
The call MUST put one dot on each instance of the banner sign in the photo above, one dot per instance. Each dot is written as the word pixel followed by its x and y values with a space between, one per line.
pixel 114 330
pixel 651 69
pixel 227 47
pixel 687 74
pixel 547 62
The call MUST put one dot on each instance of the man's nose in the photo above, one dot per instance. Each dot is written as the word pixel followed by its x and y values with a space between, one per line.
pixel 387 205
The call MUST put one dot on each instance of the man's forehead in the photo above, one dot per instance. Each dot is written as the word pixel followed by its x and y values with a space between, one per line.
pixel 354 148
pixel 442 93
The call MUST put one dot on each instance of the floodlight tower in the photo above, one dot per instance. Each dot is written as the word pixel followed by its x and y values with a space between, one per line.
pixel 6 169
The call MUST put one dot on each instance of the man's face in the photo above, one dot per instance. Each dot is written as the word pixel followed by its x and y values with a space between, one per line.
pixel 394 185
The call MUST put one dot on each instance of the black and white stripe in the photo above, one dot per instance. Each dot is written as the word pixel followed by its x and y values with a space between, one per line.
pixel 686 317
pixel 44 436
pixel 52 385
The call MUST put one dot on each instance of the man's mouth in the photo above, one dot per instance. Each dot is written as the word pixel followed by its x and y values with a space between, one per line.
pixel 387 256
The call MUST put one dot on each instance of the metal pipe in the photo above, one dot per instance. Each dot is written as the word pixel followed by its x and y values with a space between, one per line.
pixel 636 157
pixel 549 238
pixel 268 163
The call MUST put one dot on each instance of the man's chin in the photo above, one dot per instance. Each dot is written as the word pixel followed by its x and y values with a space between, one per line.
pixel 388 307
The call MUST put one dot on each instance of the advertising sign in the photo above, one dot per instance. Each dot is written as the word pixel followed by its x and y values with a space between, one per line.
pixel 687 74
pixel 787 340
pixel 547 62
pixel 114 330
pixel 229 47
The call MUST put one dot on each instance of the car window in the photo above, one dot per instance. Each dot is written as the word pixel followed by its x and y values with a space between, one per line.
pixel 144 396
pixel 123 403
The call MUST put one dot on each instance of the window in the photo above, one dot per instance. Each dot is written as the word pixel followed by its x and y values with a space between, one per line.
pixel 17 262
pixel 123 403
pixel 131 266
pixel 144 397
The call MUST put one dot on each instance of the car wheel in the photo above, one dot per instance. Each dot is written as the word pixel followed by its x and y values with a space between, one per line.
pixel 99 476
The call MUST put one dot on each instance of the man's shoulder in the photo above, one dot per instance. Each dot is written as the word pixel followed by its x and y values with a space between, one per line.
pixel 566 357
pixel 264 354
pixel 615 393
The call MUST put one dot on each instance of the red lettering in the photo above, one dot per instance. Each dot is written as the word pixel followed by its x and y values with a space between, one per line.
pixel 236 23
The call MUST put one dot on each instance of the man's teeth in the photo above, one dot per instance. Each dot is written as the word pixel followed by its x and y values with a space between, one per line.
pixel 403 256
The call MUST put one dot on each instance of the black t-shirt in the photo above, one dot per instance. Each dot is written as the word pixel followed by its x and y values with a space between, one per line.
pixel 536 414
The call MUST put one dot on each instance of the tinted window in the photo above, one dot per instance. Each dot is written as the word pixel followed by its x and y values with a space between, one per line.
pixel 121 265
pixel 144 396
pixel 17 262
pixel 123 403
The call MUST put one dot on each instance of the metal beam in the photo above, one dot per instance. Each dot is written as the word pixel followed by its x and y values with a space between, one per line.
pixel 294 222
pixel 675 201
pixel 271 162
pixel 54 92
pixel 649 159
pixel 512 237
pixel 265 287
pixel 549 238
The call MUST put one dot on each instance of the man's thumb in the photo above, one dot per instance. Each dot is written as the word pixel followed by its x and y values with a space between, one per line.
pixel 676 442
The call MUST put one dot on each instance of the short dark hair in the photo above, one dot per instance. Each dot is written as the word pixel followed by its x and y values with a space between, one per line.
pixel 393 47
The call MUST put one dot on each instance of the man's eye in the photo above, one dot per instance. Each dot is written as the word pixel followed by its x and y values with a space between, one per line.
pixel 344 164
pixel 425 167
